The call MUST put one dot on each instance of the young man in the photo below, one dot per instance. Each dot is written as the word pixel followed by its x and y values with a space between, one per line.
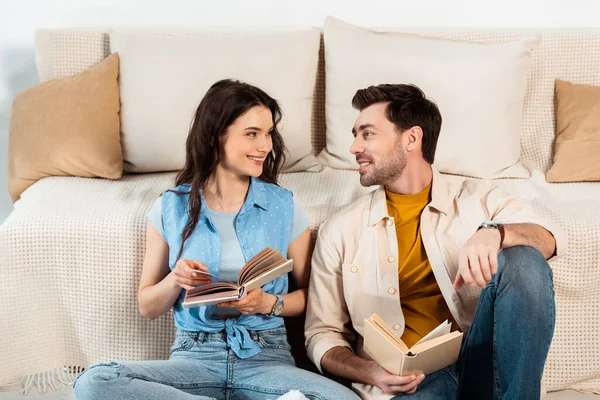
pixel 423 248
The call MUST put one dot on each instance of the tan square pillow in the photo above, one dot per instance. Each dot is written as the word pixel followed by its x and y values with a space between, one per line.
pixel 577 133
pixel 66 126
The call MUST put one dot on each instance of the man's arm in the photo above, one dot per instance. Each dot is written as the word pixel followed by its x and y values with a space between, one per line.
pixel 478 259
pixel 327 331
pixel 342 362
pixel 532 235
pixel 327 317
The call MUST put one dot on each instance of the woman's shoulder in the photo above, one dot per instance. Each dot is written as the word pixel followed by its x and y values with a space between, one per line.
pixel 177 194
pixel 275 190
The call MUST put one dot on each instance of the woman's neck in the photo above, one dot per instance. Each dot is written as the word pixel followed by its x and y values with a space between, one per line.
pixel 226 192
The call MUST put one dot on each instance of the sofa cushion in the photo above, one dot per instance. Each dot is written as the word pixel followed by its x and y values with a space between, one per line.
pixel 66 126
pixel 577 133
pixel 479 89
pixel 163 78
pixel 52 236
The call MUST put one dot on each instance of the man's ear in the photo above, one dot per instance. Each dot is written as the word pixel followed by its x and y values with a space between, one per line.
pixel 414 137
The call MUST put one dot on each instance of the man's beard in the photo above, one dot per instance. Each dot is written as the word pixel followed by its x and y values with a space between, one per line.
pixel 388 170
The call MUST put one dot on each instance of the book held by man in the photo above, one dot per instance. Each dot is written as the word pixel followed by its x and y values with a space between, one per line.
pixel 436 350
pixel 265 266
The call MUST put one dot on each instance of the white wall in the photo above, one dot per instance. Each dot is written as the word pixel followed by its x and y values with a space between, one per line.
pixel 18 20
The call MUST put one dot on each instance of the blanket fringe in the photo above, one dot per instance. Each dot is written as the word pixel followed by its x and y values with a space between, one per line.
pixel 50 380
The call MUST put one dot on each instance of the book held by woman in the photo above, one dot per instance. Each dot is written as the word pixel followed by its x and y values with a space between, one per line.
pixel 266 265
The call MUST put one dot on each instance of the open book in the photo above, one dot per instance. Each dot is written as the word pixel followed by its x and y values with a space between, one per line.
pixel 438 349
pixel 265 266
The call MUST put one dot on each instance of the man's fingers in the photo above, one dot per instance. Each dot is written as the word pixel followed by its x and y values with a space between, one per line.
pixel 463 268
pixel 484 261
pixel 396 380
pixel 493 262
pixel 458 281
pixel 408 387
pixel 476 269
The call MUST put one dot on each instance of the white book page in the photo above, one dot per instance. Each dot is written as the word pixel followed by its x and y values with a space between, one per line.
pixel 443 329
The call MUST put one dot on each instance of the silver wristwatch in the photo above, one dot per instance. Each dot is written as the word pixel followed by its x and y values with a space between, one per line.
pixel 277 307
pixel 494 225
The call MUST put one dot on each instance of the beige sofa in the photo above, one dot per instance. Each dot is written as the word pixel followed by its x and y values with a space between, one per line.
pixel 72 249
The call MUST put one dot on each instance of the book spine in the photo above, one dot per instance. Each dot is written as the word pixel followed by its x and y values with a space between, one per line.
pixel 409 363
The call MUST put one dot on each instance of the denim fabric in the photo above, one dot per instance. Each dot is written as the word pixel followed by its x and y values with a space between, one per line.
pixel 265 219
pixel 202 366
pixel 505 349
pixel 441 385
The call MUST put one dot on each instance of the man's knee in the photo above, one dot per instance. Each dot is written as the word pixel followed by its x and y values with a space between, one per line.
pixel 524 268
pixel 92 383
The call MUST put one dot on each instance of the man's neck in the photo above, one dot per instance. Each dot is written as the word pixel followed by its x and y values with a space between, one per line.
pixel 413 179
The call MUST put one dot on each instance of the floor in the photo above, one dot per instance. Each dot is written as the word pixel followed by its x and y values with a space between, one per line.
pixel 66 393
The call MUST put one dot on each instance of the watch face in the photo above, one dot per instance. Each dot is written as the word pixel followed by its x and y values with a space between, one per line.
pixel 278 308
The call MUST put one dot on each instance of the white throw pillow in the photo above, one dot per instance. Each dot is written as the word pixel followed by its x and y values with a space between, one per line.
pixel 163 78
pixel 479 89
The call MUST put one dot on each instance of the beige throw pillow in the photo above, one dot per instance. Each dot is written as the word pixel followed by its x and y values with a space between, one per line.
pixel 66 126
pixel 577 133
pixel 479 88
pixel 163 79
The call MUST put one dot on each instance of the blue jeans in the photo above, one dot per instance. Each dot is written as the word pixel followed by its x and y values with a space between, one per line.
pixel 202 367
pixel 504 351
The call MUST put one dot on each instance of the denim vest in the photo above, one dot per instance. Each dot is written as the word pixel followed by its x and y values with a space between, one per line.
pixel 265 219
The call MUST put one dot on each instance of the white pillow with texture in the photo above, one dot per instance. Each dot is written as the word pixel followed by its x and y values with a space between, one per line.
pixel 479 89
pixel 163 78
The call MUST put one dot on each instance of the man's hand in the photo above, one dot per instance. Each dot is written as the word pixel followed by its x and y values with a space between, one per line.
pixel 393 384
pixel 257 302
pixel 478 260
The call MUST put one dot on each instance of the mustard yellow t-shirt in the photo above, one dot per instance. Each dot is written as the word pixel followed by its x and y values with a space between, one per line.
pixel 423 306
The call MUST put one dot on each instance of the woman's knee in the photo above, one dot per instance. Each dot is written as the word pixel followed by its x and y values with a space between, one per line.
pixel 94 382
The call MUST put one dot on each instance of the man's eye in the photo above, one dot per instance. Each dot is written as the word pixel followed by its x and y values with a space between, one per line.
pixel 368 133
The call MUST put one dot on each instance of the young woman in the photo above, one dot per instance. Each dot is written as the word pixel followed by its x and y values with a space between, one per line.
pixel 225 208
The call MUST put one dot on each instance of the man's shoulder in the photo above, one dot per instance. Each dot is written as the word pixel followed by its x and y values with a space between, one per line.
pixel 468 186
pixel 350 217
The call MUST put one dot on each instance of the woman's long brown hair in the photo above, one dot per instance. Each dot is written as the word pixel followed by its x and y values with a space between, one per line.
pixel 222 104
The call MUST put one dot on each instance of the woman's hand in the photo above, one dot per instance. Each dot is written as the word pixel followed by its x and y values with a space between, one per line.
pixel 257 302
pixel 186 276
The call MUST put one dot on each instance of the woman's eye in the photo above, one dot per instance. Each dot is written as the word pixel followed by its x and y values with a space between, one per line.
pixel 269 133
pixel 252 134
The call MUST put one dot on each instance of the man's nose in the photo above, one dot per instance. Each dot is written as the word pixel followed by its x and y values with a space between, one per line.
pixel 357 146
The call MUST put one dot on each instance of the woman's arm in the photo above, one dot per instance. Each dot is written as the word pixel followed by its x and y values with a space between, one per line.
pixel 259 302
pixel 300 251
pixel 159 287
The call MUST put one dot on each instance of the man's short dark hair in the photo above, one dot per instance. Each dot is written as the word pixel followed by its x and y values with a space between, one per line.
pixel 408 107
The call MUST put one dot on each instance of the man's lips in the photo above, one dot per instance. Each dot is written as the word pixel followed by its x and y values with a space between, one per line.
pixel 363 164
